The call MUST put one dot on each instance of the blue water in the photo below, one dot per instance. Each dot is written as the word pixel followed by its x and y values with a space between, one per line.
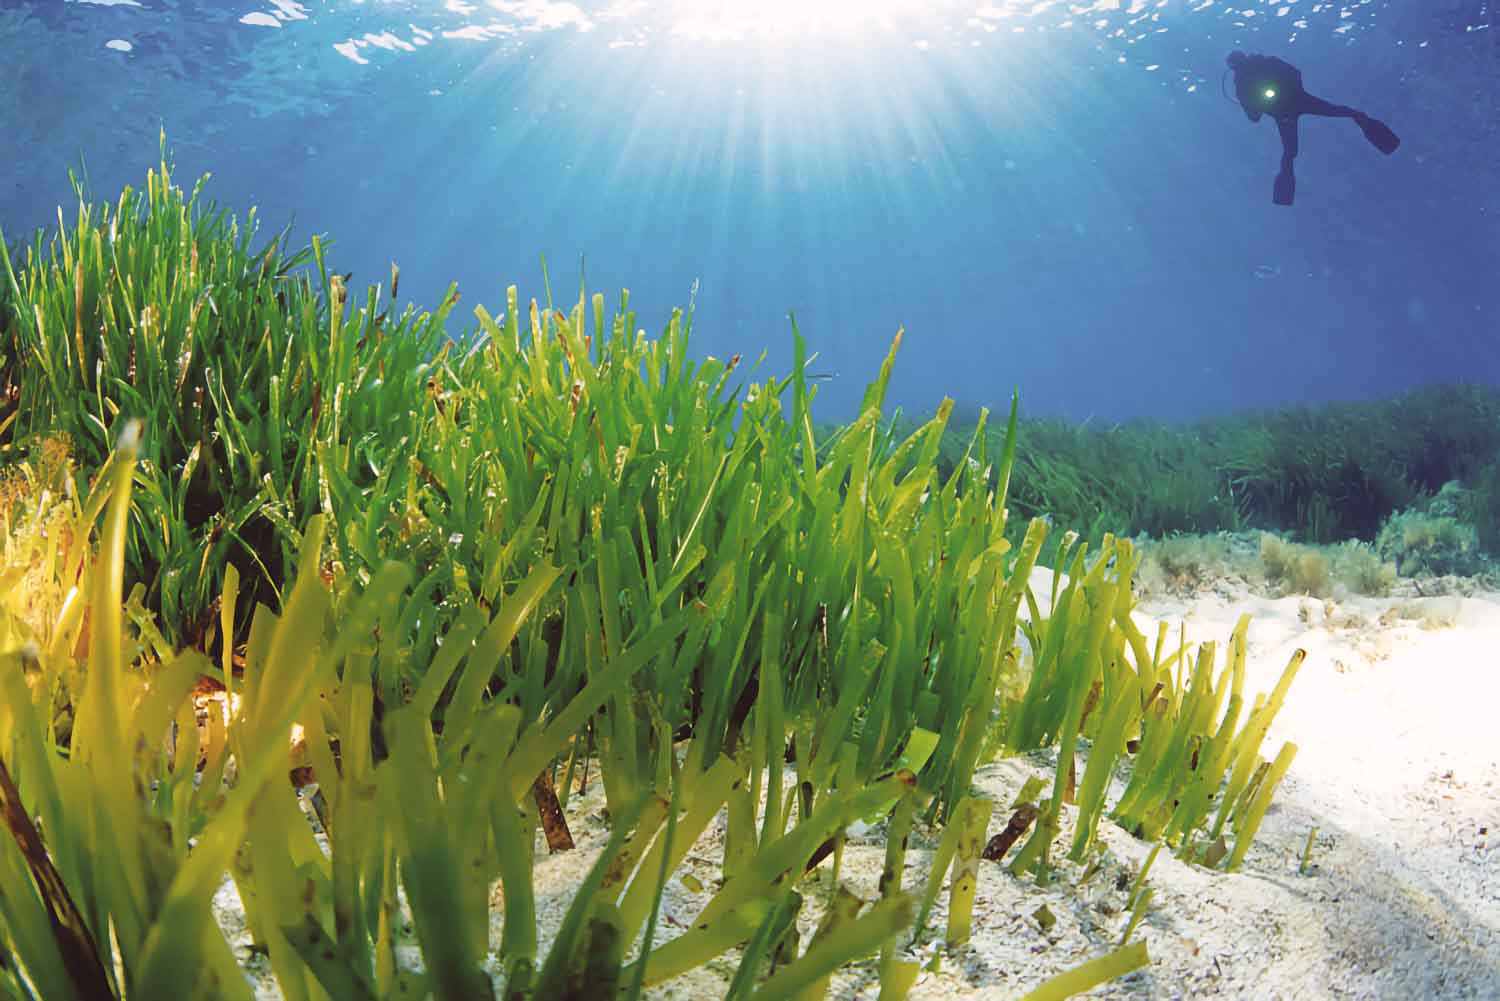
pixel 1045 195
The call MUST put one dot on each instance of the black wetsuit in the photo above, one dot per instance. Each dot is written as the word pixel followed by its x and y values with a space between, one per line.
pixel 1266 85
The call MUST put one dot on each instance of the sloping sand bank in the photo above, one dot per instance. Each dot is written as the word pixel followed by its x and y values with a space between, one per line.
pixel 1398 768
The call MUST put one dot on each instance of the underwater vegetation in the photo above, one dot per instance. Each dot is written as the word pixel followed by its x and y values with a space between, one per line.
pixel 1294 568
pixel 1432 538
pixel 259 526
pixel 157 307
pixel 1265 561
pixel 1320 476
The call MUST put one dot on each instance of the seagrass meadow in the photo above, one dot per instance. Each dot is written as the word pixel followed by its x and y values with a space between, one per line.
pixel 340 601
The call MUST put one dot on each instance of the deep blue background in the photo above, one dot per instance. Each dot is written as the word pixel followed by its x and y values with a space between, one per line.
pixel 1070 208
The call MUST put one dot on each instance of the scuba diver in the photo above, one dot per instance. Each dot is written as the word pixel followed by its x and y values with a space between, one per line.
pixel 1271 86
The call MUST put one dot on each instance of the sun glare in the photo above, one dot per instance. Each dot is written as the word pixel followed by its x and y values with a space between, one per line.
pixel 737 19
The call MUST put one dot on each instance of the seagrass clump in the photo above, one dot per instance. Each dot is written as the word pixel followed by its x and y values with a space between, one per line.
pixel 298 533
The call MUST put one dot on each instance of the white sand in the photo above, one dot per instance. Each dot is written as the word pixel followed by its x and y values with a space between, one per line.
pixel 1398 769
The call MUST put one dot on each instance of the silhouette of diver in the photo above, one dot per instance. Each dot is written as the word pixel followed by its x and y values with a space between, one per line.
pixel 1271 86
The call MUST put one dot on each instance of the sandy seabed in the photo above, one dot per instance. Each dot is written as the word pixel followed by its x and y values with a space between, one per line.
pixel 1396 714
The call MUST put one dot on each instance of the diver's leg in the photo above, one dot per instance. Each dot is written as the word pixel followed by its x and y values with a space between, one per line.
pixel 1285 188
pixel 1288 128
pixel 1309 105
pixel 1377 132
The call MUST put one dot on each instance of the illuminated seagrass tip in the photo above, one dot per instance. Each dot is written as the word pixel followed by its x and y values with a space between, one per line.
pixel 130 436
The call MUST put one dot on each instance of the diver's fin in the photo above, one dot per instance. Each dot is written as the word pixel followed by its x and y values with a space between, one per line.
pixel 1285 189
pixel 1379 134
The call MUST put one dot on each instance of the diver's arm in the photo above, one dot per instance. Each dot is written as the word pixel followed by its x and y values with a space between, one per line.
pixel 1242 94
